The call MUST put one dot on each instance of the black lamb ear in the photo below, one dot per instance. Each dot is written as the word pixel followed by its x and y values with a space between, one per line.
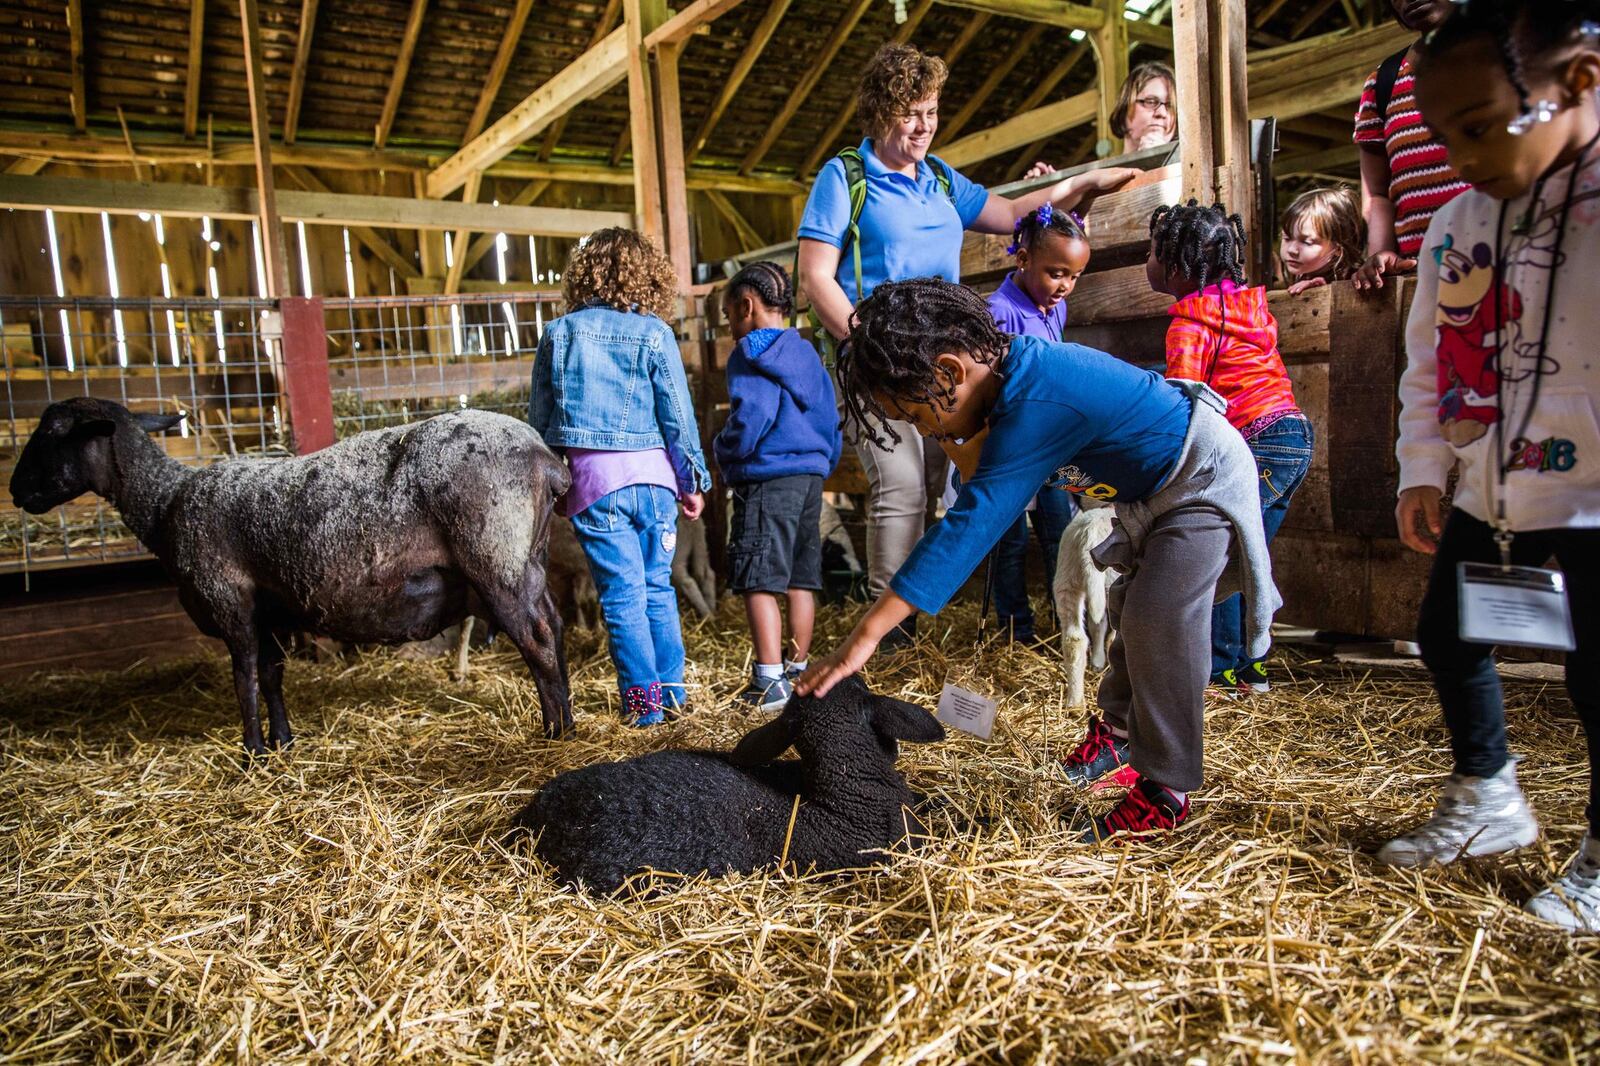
pixel 764 743
pixel 157 423
pixel 900 720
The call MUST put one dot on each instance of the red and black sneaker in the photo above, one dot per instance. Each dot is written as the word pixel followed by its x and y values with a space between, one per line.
pixel 1101 761
pixel 1147 808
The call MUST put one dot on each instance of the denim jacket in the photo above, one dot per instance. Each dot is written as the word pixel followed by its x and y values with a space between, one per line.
pixel 613 381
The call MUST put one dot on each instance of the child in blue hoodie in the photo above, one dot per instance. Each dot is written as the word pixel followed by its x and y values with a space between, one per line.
pixel 779 443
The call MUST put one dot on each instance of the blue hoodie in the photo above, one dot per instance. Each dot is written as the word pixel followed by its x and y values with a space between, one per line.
pixel 783 420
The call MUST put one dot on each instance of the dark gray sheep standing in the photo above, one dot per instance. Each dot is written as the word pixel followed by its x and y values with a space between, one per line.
pixel 387 536
pixel 692 812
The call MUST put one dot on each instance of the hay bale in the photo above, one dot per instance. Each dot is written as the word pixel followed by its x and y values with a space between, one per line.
pixel 351 902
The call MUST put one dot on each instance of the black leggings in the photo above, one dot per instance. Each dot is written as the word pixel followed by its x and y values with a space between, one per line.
pixel 1464 674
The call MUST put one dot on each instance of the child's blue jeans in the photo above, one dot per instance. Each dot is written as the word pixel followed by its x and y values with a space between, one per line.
pixel 628 537
pixel 1050 518
pixel 1283 455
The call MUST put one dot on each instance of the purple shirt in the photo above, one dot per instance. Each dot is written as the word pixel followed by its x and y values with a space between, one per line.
pixel 597 473
pixel 1015 312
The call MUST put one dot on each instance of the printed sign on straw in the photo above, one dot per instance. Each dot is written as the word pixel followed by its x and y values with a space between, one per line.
pixel 967 711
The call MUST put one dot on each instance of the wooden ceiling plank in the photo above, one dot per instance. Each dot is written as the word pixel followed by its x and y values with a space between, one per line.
pixel 497 70
pixel 302 62
pixel 402 67
pixel 741 70
pixel 948 131
pixel 808 81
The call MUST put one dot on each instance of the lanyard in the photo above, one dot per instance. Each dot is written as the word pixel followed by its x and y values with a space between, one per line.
pixel 1502 527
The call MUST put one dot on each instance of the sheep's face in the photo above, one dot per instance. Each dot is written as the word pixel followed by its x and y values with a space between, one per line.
pixel 70 453
pixel 812 725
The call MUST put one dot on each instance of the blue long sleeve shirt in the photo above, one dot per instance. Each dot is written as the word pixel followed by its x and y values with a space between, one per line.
pixel 1068 417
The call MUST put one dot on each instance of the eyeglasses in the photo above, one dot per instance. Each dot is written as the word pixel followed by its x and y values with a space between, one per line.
pixel 1154 103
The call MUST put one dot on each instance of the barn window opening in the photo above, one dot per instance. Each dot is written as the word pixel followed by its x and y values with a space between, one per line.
pixel 501 243
pixel 305 261
pixel 61 289
pixel 216 315
pixel 538 308
pixel 116 290
pixel 166 293
pixel 349 265
pixel 261 260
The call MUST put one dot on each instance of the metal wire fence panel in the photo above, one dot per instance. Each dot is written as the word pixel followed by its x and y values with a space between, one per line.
pixel 395 359
pixel 208 359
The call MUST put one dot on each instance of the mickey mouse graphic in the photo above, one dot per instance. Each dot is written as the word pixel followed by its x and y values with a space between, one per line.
pixel 1468 323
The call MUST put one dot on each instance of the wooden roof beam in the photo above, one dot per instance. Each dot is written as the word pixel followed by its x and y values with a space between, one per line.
pixel 741 70
pixel 1023 129
pixel 365 234
pixel 607 23
pixel 80 101
pixel 808 82
pixel 274 252
pixel 1320 72
pixel 1054 12
pixel 1029 155
pixel 680 27
pixel 1309 18
pixel 825 145
pixel 746 232
pixel 497 70
pixel 402 67
pixel 997 74
pixel 302 61
pixel 191 87
pixel 81 195
pixel 588 76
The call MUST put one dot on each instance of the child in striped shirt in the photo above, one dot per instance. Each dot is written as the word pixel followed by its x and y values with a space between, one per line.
pixel 1222 334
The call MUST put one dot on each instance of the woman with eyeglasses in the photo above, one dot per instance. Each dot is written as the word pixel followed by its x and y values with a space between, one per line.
pixel 1146 114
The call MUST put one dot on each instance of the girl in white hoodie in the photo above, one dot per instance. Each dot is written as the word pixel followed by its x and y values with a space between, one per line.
pixel 1504 345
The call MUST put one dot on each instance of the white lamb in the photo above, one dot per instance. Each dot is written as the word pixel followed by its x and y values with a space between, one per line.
pixel 1080 594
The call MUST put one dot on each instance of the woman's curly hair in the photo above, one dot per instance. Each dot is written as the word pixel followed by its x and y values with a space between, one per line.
pixel 896 337
pixel 896 77
pixel 620 268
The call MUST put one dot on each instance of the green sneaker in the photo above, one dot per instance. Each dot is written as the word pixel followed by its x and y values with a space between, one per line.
pixel 1254 678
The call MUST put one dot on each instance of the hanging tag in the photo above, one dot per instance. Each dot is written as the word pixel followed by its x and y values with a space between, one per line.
pixel 967 711
pixel 1521 605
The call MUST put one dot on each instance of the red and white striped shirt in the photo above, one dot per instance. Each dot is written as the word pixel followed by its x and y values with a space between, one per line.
pixel 1421 179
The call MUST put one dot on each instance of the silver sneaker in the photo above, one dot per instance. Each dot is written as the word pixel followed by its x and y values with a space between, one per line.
pixel 1474 816
pixel 1573 902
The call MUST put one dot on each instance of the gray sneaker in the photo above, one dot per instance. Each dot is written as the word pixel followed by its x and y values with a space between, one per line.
pixel 1573 902
pixel 1474 816
pixel 768 694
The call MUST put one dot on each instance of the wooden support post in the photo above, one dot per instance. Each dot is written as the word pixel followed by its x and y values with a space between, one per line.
pixel 80 102
pixel 1111 53
pixel 1232 110
pixel 402 67
pixel 191 87
pixel 639 18
pixel 1213 112
pixel 274 252
pixel 305 373
pixel 674 186
pixel 1192 35
pixel 458 240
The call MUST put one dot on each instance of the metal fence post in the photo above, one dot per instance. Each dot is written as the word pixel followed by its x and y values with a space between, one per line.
pixel 305 373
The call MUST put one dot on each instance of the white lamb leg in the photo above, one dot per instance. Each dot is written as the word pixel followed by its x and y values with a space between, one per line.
pixel 1069 596
pixel 1099 624
pixel 462 644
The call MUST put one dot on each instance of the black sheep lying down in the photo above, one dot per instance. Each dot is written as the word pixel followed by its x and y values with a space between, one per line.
pixel 694 812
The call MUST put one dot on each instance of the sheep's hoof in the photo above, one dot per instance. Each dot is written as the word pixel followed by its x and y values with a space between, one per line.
pixel 280 745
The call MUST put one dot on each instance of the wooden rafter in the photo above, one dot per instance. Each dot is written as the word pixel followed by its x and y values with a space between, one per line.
pixel 948 131
pixel 808 81
pixel 746 232
pixel 591 74
pixel 80 100
pixel 968 34
pixel 274 253
pixel 1111 48
pixel 365 234
pixel 1310 17
pixel 674 186
pixel 402 67
pixel 1029 155
pixel 741 69
pixel 639 18
pixel 191 87
pixel 1023 129
pixel 1264 16
pixel 302 62
pixel 679 28
pixel 825 145
pixel 1054 12
pixel 458 239
pixel 26 165
pixel 497 70
pixel 607 23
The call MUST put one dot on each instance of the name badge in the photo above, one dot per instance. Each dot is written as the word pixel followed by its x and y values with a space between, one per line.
pixel 967 711
pixel 1521 605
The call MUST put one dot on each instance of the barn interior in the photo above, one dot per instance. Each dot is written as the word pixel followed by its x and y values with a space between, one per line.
pixel 293 222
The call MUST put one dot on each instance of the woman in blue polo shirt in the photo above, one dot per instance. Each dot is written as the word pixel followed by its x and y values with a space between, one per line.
pixel 915 211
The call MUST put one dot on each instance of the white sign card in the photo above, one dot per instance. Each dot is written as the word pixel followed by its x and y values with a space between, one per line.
pixel 967 711
pixel 1520 605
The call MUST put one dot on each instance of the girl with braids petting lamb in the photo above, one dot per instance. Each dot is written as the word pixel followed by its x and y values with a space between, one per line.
pixel 1016 413
pixel 1223 334
pixel 1501 385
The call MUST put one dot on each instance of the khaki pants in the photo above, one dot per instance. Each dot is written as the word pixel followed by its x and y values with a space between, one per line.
pixel 900 479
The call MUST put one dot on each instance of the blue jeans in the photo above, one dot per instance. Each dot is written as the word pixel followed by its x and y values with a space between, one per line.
pixel 628 537
pixel 1283 455
pixel 1050 519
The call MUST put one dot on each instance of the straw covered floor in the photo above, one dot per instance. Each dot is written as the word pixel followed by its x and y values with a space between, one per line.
pixel 351 901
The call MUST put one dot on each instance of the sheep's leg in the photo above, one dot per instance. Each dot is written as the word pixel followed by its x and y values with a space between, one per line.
pixel 244 649
pixel 463 644
pixel 269 660
pixel 535 628
pixel 1095 609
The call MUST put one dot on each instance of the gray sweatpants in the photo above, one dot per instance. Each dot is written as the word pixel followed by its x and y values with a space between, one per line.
pixel 1161 655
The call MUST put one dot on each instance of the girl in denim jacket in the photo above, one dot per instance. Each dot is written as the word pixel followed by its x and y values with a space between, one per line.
pixel 610 394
